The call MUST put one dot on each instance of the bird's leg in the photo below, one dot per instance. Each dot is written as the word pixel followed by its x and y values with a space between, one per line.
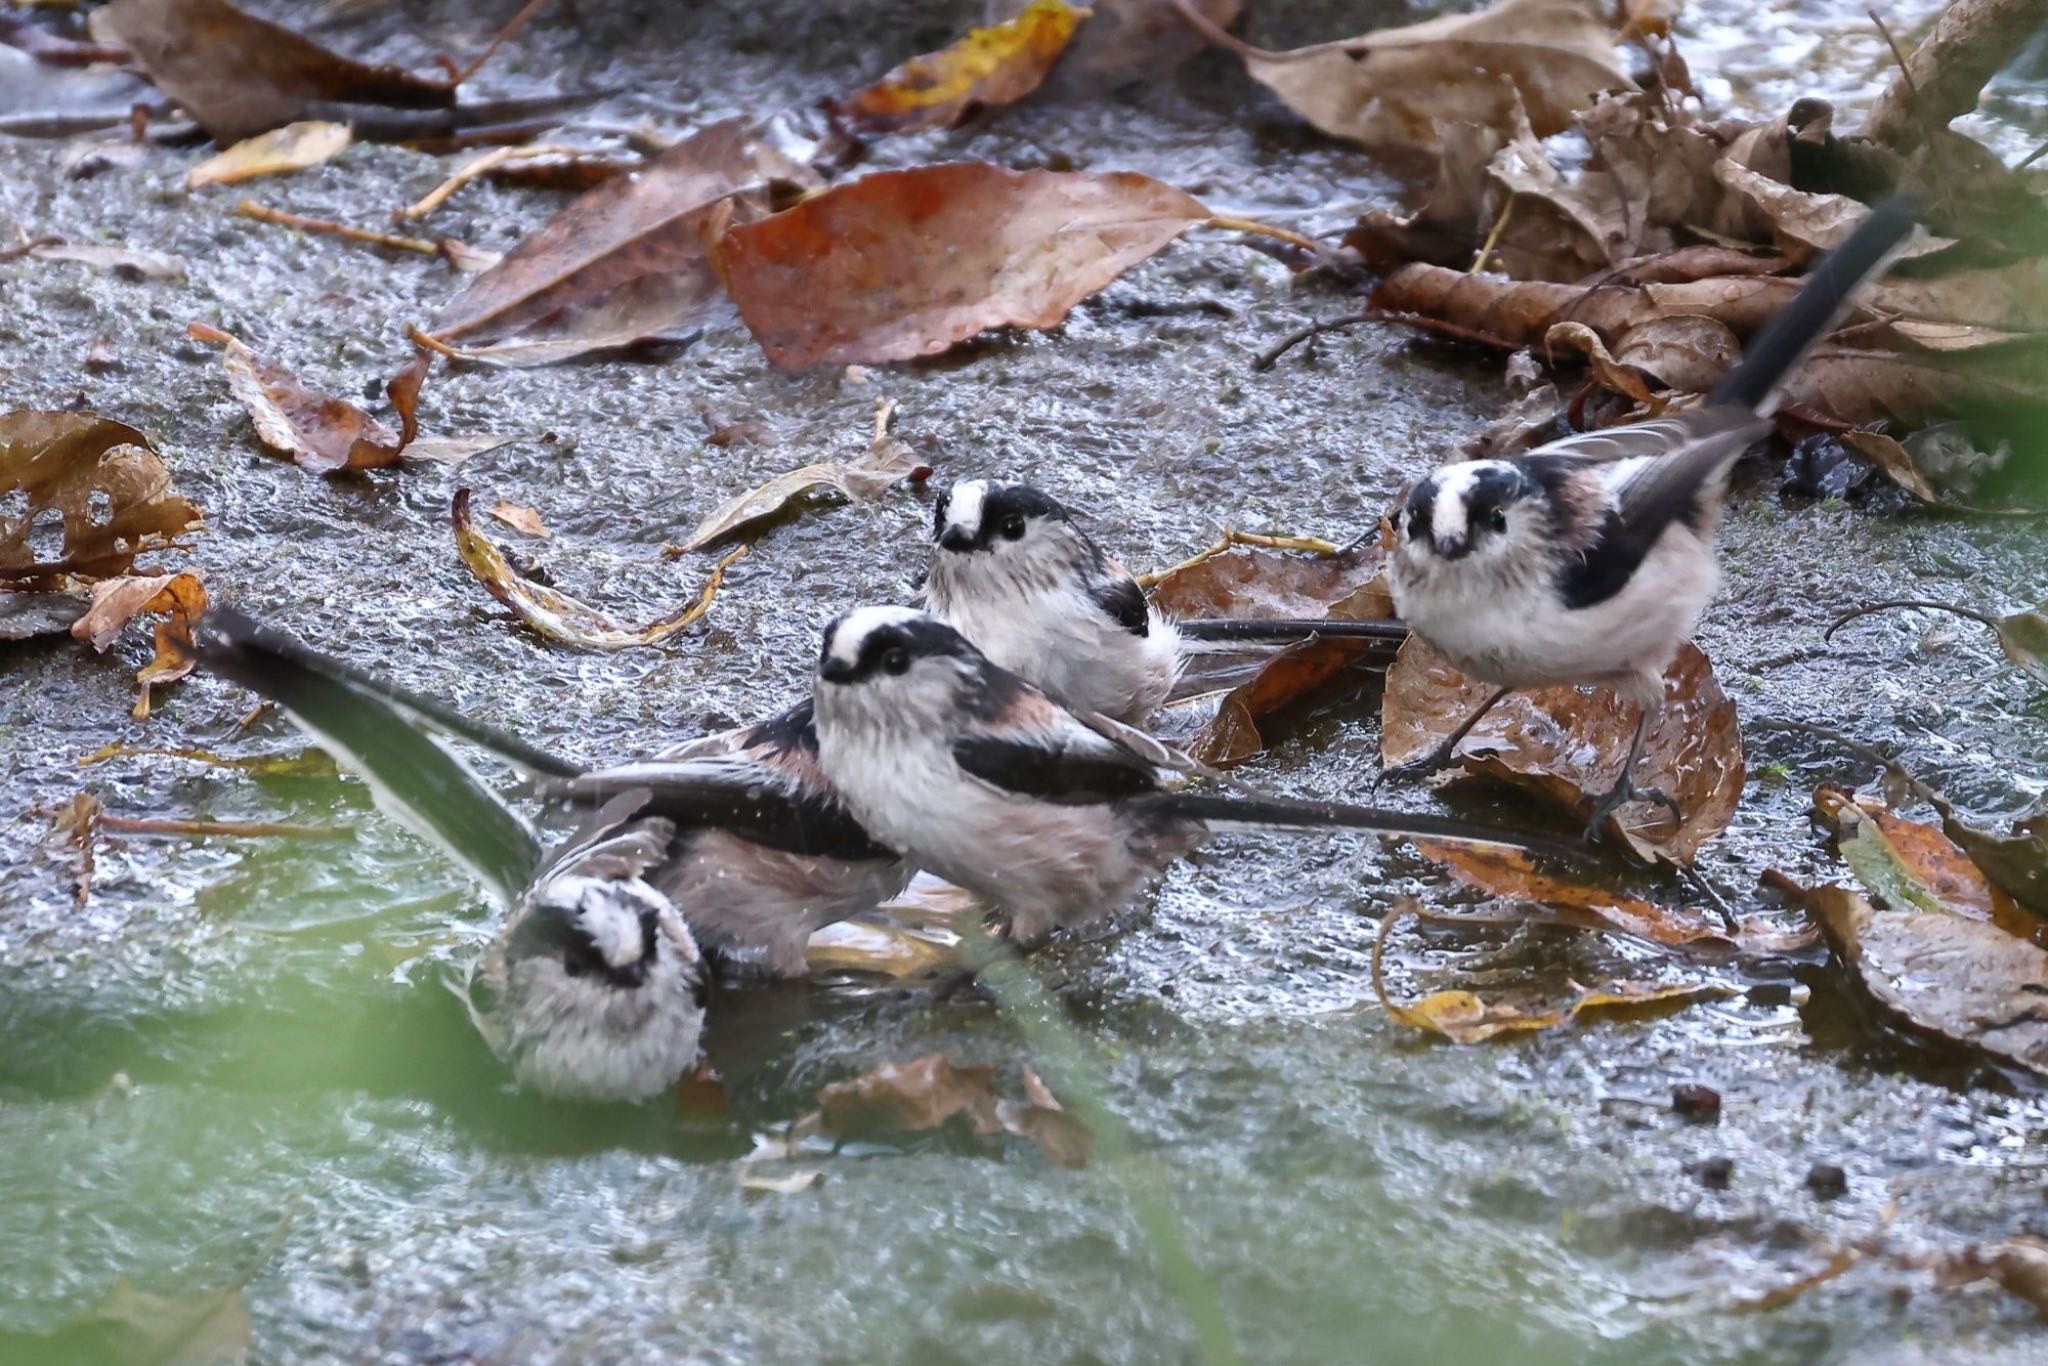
pixel 1444 754
pixel 1625 789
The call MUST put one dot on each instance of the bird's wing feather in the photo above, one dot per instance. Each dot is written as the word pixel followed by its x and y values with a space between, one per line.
pixel 1124 602
pixel 738 793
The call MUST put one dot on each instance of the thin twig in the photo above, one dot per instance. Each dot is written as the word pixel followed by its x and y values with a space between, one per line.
pixel 249 208
pixel 470 170
pixel 1258 229
pixel 1905 72
pixel 1440 326
pixel 1888 604
pixel 518 22
pixel 1500 223
pixel 143 825
pixel 1270 357
pixel 1310 545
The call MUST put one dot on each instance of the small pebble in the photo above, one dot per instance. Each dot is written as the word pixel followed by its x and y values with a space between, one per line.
pixel 1696 1104
pixel 1716 1172
pixel 1827 1181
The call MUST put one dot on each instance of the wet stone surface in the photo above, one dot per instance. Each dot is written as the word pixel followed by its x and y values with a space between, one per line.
pixel 233 1035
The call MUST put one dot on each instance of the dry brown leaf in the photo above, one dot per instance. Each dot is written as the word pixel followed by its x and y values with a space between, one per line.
pixel 1568 744
pixel 1684 353
pixel 116 602
pixel 925 1093
pixel 524 520
pixel 1398 87
pixel 623 264
pixel 902 264
pixel 2019 1265
pixel 294 147
pixel 1466 1017
pixel 1905 863
pixel 885 462
pixel 238 75
pixel 997 65
pixel 320 432
pixel 94 478
pixel 129 263
pixel 1960 981
pixel 556 615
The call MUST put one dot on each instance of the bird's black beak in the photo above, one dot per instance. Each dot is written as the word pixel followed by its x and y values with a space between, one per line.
pixel 631 975
pixel 835 670
pixel 1452 548
pixel 954 539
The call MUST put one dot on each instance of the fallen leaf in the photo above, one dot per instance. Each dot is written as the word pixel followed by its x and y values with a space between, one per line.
pixel 181 598
pixel 321 433
pixel 1397 87
pixel 790 1183
pixel 1905 863
pixel 99 481
pixel 238 75
pixel 1963 982
pixel 556 615
pixel 1567 744
pixel 521 519
pixel 927 1092
pixel 877 950
pixel 885 462
pixel 997 65
pixel 293 147
pixel 1894 460
pixel 1510 873
pixel 1685 353
pixel 1465 1017
pixel 304 763
pixel 625 263
pixel 2019 1266
pixel 902 264
pixel 127 262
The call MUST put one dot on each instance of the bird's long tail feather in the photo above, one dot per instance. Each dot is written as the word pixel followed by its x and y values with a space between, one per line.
pixel 1231 632
pixel 368 730
pixel 1220 810
pixel 1824 296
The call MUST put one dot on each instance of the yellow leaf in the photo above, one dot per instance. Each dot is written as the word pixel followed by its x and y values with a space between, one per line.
pixel 1000 64
pixel 293 147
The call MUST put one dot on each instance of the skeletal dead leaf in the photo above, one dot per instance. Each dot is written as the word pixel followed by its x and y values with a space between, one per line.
pixel 1509 873
pixel 181 598
pixel 130 263
pixel 997 65
pixel 1466 1017
pixel 623 264
pixel 524 520
pixel 885 462
pixel 320 432
pixel 1396 88
pixel 1937 974
pixel 238 75
pixel 556 615
pixel 902 264
pixel 280 151
pixel 1908 864
pixel 1568 744
pixel 93 497
pixel 928 1092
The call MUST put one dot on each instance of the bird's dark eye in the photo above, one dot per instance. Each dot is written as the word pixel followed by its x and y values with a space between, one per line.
pixel 1498 519
pixel 1012 527
pixel 896 660
pixel 572 965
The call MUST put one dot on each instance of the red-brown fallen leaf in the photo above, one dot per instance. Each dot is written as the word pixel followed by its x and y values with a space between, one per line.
pixel 95 477
pixel 238 75
pixel 116 602
pixel 1568 744
pixel 926 1092
pixel 903 264
pixel 997 65
pixel 320 432
pixel 1907 863
pixel 1397 88
pixel 624 263
pixel 1510 873
pixel 1686 353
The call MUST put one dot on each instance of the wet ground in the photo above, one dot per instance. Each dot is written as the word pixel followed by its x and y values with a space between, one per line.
pixel 238 1055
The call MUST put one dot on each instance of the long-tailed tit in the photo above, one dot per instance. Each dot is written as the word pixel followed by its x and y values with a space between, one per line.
pixel 594 989
pixel 1590 560
pixel 1016 573
pixel 988 782
pixel 763 854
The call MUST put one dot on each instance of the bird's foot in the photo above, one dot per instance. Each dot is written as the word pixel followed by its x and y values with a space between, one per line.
pixel 1620 795
pixel 1417 770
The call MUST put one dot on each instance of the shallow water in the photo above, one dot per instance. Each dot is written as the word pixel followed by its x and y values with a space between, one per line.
pixel 238 1054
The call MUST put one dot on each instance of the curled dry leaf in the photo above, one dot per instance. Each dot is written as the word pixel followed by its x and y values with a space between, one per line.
pixel 181 598
pixel 1959 981
pixel 238 75
pixel 1568 744
pixel 928 1092
pixel 1685 353
pixel 885 462
pixel 1510 873
pixel 280 151
pixel 97 478
pixel 130 263
pixel 556 615
pixel 524 520
pixel 997 65
pixel 1465 1017
pixel 623 264
pixel 1397 87
pixel 902 264
pixel 1906 863
pixel 320 432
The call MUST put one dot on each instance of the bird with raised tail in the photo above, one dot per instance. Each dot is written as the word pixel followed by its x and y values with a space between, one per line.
pixel 1590 560
pixel 985 780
